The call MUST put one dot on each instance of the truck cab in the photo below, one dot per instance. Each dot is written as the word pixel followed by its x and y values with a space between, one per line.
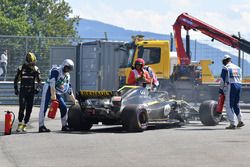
pixel 156 54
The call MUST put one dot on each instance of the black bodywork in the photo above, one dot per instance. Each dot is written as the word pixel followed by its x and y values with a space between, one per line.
pixel 157 105
pixel 133 107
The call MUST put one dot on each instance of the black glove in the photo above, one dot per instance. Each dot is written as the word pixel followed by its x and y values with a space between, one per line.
pixel 221 91
pixel 141 79
pixel 16 92
pixel 36 91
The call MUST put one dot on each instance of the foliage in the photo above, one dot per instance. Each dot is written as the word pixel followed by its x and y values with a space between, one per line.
pixel 37 18
pixel 29 25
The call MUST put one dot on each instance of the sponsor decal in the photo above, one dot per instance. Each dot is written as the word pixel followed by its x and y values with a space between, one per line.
pixel 92 93
pixel 142 92
pixel 116 98
pixel 167 109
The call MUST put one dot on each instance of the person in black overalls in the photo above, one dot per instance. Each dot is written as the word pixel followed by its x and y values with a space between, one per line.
pixel 27 73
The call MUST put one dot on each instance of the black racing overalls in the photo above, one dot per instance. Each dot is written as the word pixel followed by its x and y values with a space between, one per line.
pixel 27 74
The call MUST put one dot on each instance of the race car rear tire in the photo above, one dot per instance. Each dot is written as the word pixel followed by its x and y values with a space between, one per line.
pixel 207 113
pixel 76 119
pixel 134 118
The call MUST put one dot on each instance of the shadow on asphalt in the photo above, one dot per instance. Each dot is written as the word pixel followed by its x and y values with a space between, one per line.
pixel 17 133
pixel 200 129
pixel 118 129
pixel 194 126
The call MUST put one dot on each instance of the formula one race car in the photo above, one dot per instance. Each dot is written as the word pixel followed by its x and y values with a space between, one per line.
pixel 135 108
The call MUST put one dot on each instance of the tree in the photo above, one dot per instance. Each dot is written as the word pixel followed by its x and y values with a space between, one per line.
pixel 35 18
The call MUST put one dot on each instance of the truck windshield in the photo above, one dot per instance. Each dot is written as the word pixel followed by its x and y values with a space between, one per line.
pixel 150 55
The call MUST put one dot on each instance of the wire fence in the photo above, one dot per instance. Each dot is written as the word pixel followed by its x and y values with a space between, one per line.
pixel 18 47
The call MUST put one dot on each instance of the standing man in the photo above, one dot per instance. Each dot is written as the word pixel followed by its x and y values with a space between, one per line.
pixel 3 64
pixel 27 73
pixel 231 86
pixel 139 75
pixel 57 84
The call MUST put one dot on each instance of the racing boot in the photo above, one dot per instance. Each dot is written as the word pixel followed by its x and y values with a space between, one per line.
pixel 24 128
pixel 240 124
pixel 19 127
pixel 66 128
pixel 43 129
pixel 231 126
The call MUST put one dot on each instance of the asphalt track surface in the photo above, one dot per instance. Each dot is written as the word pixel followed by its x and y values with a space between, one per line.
pixel 192 145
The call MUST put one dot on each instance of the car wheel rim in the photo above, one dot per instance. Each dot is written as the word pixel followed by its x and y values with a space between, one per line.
pixel 143 119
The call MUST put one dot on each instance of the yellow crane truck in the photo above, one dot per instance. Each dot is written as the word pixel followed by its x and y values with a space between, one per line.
pixel 157 55
pixel 176 73
pixel 196 85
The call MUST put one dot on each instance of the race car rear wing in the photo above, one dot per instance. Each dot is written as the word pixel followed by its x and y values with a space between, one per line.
pixel 102 94
pixel 92 94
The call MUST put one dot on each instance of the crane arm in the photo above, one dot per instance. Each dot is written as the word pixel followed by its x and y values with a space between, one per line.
pixel 189 22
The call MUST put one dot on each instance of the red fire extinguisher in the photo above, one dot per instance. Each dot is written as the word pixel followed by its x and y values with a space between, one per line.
pixel 8 122
pixel 220 104
pixel 53 109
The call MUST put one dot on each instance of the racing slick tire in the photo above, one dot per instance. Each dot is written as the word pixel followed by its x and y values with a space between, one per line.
pixel 1 71
pixel 76 119
pixel 134 118
pixel 207 113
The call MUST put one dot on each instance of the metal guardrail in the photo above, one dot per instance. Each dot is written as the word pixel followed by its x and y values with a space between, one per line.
pixel 8 97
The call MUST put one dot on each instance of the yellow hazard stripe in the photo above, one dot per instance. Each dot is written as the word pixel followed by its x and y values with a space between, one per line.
pixel 127 86
pixel 152 103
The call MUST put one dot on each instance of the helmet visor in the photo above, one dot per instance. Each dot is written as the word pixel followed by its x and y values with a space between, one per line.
pixel 68 68
pixel 138 63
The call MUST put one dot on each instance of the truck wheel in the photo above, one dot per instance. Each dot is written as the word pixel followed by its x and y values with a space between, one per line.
pixel 76 119
pixel 207 112
pixel 134 118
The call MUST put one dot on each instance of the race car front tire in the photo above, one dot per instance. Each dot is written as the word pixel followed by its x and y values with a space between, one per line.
pixel 207 113
pixel 134 118
pixel 76 119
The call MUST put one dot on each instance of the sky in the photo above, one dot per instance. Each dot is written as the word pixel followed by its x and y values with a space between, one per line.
pixel 158 16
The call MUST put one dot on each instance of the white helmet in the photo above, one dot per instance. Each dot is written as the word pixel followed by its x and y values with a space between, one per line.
pixel 68 63
pixel 226 57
